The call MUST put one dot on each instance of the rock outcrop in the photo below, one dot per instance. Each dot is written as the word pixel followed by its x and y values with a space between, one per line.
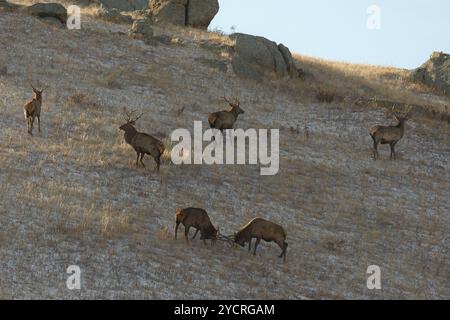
pixel 254 57
pixel 124 5
pixel 193 13
pixel 49 10
pixel 434 73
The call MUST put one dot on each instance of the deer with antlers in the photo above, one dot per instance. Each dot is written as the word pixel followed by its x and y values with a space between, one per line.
pixel 224 120
pixel 197 219
pixel 142 143
pixel 389 134
pixel 32 110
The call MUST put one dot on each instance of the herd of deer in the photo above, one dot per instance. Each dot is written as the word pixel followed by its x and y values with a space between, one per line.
pixel 259 229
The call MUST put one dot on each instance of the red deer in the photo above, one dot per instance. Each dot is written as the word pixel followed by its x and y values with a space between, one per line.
pixel 262 229
pixel 198 219
pixel 32 110
pixel 224 120
pixel 141 142
pixel 389 134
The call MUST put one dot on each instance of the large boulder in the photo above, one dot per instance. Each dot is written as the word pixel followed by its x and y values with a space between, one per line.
pixel 200 13
pixel 49 10
pixel 434 73
pixel 169 11
pixel 193 13
pixel 254 57
pixel 124 5
pixel 289 60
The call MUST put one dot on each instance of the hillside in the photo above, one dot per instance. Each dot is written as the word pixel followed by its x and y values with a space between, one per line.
pixel 72 196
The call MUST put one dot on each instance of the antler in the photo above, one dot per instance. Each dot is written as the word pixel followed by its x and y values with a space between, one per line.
pixel 129 115
pixel 235 103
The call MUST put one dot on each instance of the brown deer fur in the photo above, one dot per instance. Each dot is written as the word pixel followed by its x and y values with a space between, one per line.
pixel 388 134
pixel 32 110
pixel 224 120
pixel 142 143
pixel 198 219
pixel 262 229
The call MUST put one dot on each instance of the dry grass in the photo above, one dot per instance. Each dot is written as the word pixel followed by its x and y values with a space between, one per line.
pixel 365 83
pixel 71 194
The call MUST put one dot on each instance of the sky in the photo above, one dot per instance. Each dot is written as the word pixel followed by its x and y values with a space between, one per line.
pixel 402 33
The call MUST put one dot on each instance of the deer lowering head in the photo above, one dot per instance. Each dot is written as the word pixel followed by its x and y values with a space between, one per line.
pixel 389 134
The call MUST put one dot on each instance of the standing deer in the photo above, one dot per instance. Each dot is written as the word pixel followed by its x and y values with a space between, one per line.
pixel 389 134
pixel 262 229
pixel 32 110
pixel 224 120
pixel 141 142
pixel 198 219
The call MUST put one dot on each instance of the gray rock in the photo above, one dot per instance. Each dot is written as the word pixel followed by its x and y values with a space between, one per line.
pixel 124 5
pixel 142 29
pixel 256 56
pixel 46 10
pixel 194 13
pixel 289 60
pixel 169 11
pixel 113 15
pixel 435 73
pixel 200 13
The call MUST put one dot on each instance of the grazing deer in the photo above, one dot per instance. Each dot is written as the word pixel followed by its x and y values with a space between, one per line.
pixel 198 219
pixel 224 120
pixel 389 134
pixel 262 229
pixel 141 142
pixel 32 110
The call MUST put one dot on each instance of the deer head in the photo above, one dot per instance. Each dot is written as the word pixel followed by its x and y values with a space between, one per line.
pixel 401 118
pixel 37 94
pixel 130 119
pixel 235 105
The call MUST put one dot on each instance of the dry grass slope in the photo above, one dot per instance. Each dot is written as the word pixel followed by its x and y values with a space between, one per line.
pixel 71 194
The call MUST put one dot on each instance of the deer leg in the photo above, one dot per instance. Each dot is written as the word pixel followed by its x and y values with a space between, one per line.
pixel 30 131
pixel 158 162
pixel 285 245
pixel 142 159
pixel 39 123
pixel 393 150
pixel 176 229
pixel 250 245
pixel 375 149
pixel 137 158
pixel 258 240
pixel 392 145
pixel 195 234
pixel 186 233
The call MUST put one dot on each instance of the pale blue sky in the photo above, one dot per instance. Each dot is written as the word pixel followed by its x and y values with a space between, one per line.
pixel 337 29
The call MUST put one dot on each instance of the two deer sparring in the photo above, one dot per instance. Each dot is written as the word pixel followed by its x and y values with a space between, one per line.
pixel 32 110
pixel 257 228
pixel 142 143
pixel 389 134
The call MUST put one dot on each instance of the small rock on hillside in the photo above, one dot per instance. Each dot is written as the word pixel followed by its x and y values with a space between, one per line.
pixel 113 15
pixel 142 30
pixel 435 73
pixel 49 10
